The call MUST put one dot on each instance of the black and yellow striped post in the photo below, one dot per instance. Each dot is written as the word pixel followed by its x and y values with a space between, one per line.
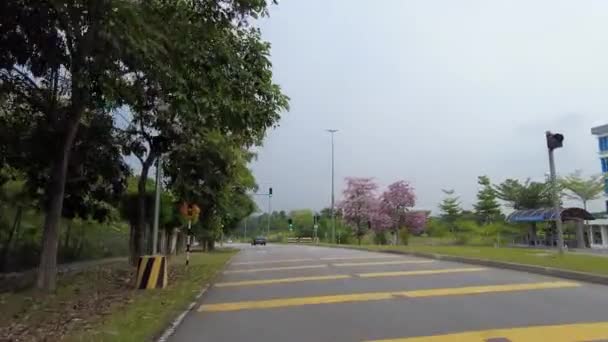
pixel 152 272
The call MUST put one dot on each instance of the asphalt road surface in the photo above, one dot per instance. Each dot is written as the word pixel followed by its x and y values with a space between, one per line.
pixel 308 293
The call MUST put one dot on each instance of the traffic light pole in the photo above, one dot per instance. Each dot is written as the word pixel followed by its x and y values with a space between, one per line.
pixel 269 214
pixel 555 141
pixel 556 204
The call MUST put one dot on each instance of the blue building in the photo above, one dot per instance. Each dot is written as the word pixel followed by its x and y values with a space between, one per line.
pixel 598 230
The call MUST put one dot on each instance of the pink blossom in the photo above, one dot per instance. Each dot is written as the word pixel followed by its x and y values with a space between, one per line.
pixel 415 221
pixel 396 200
pixel 359 202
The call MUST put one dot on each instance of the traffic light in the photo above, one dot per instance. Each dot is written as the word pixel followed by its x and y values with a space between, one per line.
pixel 290 221
pixel 269 191
pixel 554 140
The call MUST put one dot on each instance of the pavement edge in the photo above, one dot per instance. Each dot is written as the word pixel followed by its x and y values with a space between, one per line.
pixel 542 270
pixel 170 330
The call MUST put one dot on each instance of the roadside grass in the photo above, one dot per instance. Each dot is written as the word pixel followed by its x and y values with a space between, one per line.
pixel 100 304
pixel 546 258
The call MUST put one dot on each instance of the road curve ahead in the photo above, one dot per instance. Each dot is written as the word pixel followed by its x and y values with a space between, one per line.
pixel 308 293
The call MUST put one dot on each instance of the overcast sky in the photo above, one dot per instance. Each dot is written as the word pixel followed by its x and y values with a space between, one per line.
pixel 433 92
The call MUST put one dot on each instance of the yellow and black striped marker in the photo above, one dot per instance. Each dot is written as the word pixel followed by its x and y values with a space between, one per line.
pixel 152 272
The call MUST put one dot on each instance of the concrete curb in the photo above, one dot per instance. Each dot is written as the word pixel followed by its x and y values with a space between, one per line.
pixel 542 270
pixel 179 319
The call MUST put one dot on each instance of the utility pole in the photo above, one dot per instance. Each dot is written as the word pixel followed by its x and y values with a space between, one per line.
pixel 333 214
pixel 269 211
pixel 555 141
pixel 159 165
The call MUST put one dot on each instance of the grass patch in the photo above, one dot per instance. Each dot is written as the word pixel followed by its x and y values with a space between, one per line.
pixel 568 261
pixel 100 304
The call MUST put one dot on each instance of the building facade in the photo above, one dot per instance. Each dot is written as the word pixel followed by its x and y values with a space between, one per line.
pixel 598 230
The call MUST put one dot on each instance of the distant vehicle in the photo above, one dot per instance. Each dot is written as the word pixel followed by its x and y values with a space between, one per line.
pixel 229 241
pixel 260 240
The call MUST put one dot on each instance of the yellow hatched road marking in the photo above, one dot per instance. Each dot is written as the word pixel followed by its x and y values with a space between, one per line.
pixel 554 333
pixel 363 297
pixel 271 262
pixel 363 257
pixel 420 272
pixel 377 263
pixel 252 270
pixel 281 280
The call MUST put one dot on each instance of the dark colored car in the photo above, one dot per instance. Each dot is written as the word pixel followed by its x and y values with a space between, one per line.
pixel 260 240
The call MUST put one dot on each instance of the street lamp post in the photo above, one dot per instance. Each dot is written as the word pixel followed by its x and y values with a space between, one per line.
pixel 333 215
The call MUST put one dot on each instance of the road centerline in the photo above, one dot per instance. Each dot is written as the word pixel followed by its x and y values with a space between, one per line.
pixel 375 296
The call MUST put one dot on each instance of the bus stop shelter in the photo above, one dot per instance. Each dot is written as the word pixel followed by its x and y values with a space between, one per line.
pixel 533 216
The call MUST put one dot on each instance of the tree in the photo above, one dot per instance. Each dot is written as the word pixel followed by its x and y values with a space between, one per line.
pixel 415 221
pixel 526 195
pixel 395 201
pixel 487 207
pixel 60 60
pixel 450 208
pixel 582 189
pixel 358 204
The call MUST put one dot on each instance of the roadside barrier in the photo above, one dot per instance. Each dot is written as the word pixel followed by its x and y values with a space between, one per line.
pixel 152 272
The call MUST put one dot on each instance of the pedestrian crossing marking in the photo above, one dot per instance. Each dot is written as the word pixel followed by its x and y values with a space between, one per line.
pixel 284 268
pixel 375 296
pixel 554 333
pixel 420 272
pixel 379 263
pixel 281 280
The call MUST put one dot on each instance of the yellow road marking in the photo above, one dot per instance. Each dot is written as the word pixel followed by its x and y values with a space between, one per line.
pixel 281 280
pixel 363 257
pixel 363 297
pixel 270 262
pixel 420 272
pixel 252 270
pixel 376 263
pixel 553 333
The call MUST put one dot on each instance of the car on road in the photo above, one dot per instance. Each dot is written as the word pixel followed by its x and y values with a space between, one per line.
pixel 260 240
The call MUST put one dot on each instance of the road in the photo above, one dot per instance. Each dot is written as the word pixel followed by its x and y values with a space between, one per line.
pixel 308 293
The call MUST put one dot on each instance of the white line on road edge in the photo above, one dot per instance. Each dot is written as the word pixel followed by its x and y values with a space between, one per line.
pixel 173 326
pixel 176 322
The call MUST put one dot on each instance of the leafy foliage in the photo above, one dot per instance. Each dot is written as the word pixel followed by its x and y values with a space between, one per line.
pixel 582 189
pixel 487 207
pixel 526 195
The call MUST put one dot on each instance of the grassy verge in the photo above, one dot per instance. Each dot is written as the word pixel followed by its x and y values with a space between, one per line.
pixel 568 261
pixel 101 305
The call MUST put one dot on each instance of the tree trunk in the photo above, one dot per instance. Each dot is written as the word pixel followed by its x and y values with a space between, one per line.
pixel 66 241
pixel 47 271
pixel 11 238
pixel 580 235
pixel 137 235
pixel 173 242
pixel 163 241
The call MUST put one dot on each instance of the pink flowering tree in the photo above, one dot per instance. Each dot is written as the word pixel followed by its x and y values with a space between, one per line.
pixel 398 198
pixel 359 204
pixel 380 220
pixel 415 221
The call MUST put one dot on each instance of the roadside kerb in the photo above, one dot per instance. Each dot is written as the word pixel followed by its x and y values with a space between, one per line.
pixel 542 270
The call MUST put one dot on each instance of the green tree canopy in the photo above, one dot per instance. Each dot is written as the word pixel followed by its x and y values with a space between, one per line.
pixel 577 187
pixel 487 207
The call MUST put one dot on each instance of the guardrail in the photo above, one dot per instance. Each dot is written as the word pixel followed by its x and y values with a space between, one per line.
pixel 300 240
